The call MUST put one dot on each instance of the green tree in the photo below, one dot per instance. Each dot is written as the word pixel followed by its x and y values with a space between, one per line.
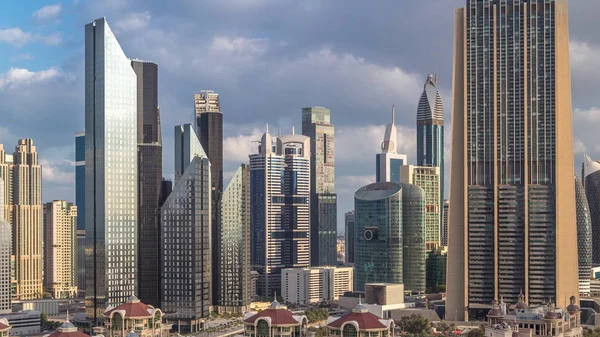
pixel 477 332
pixel 415 324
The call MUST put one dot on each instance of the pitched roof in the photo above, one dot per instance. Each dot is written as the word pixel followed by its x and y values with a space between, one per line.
pixel 365 320
pixel 133 308
pixel 67 329
pixel 278 317
pixel 4 326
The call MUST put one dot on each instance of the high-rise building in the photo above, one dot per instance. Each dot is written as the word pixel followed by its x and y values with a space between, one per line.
pixel 444 229
pixel 584 238
pixel 390 235
pixel 5 268
pixel 512 199
pixel 430 131
pixel 111 172
pixel 316 124
pixel 349 237
pixel 591 183
pixel 435 277
pixel 235 269
pixel 149 151
pixel 186 263
pixel 209 128
pixel 60 264
pixel 428 178
pixel 80 203
pixel 389 162
pixel 280 200
pixel 315 284
pixel 22 177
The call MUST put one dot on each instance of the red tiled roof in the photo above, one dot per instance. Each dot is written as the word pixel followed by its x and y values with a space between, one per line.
pixel 365 320
pixel 4 326
pixel 278 317
pixel 69 334
pixel 132 310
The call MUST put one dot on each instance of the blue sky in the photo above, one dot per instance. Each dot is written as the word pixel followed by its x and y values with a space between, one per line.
pixel 267 59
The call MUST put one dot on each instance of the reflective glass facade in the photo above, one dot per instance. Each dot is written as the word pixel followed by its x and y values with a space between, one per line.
pixel 350 243
pixel 591 180
pixel 584 238
pixel 111 171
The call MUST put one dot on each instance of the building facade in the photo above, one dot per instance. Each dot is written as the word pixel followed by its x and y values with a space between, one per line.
pixel 591 183
pixel 132 317
pixel 5 267
pixel 276 320
pixel 435 277
pixel 584 238
pixel 316 124
pixel 444 229
pixel 315 284
pixel 209 129
pixel 186 263
pixel 389 162
pixel 359 322
pixel 60 255
pixel 234 279
pixel 512 197
pixel 280 200
pixel 111 171
pixel 430 131
pixel 390 235
pixel 429 179
pixel 80 203
pixel 349 221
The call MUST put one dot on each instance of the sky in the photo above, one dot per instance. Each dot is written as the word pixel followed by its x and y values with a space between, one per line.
pixel 267 59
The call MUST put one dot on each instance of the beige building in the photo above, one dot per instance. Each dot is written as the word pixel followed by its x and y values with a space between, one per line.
pixel 60 226
pixel 5 240
pixel 512 198
pixel 317 284
pixel 427 178
pixel 22 177
pixel 133 316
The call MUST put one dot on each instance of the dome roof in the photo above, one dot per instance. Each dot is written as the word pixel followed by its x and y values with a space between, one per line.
pixel 572 307
pixel 521 303
pixel 365 321
pixel 67 329
pixel 278 316
pixel 4 324
pixel 133 308
pixel 550 314
pixel 495 310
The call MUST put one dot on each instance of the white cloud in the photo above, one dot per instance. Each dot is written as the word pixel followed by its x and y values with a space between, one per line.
pixel 579 147
pixel 57 171
pixel 21 57
pixel 351 148
pixel 237 148
pixel 587 115
pixel 15 36
pixel 133 21
pixel 48 12
pixel 18 77
pixel 582 54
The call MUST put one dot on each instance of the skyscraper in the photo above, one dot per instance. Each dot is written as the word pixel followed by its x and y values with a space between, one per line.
pixel 80 203
pixel 234 279
pixel 149 151
pixel 430 131
pixel 186 263
pixel 5 269
pixel 591 182
pixel 316 124
pixel 428 178
pixel 209 128
pixel 388 162
pixel 22 177
pixel 444 229
pixel 111 171
pixel 512 199
pixel 350 242
pixel 280 200
pixel 584 239
pixel 390 235
pixel 60 268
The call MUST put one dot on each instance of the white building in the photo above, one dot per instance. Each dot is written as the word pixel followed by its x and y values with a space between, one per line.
pixel 24 323
pixel 311 285
pixel 389 162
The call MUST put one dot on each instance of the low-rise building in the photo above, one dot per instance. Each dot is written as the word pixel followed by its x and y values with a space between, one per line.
pixel 318 284
pixel 359 322
pixel 4 327
pixel 67 329
pixel 23 323
pixel 274 321
pixel 133 316
pixel 382 299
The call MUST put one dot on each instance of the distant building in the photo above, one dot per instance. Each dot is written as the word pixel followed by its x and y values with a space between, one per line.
pixel 23 323
pixel 60 254
pixel 388 162
pixel 436 269
pixel 315 284
pixel 584 238
pixel 276 320
pixel 350 238
pixel 5 250
pixel 384 293
pixel 133 316
pixel 444 229
pixel 591 183
pixel 360 322
pixel 390 235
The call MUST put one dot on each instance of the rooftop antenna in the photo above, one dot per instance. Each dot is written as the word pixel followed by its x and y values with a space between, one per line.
pixel 293 130
pixel 394 114
pixel 279 132
pixel 67 315
pixel 267 128
pixel 359 299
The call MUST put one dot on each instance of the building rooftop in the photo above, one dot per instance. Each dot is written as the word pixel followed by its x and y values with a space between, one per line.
pixel 133 308
pixel 277 313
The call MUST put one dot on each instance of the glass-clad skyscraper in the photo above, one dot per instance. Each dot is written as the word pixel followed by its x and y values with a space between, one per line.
pixel 584 238
pixel 390 235
pixel 111 171
pixel 591 183
pixel 388 163
pixel 80 203
pixel 349 236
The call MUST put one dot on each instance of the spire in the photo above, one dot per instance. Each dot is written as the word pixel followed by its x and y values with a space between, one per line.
pixel 267 128
pixel 394 114
pixel 293 130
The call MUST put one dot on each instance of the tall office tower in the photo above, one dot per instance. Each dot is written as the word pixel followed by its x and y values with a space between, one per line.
pixel 430 131
pixel 149 152
pixel 80 203
pixel 316 124
pixel 6 175
pixel 209 128
pixel 436 262
pixel 111 172
pixel 26 189
pixel 428 178
pixel 388 162
pixel 349 221
pixel 166 186
pixel 5 268
pixel 584 238
pixel 280 217
pixel 512 197
pixel 390 235
pixel 186 263
pixel 60 268
pixel 234 279
pixel 591 182
pixel 444 229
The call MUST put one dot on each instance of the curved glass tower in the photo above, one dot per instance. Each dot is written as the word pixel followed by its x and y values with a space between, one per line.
pixel 591 182
pixel 584 238
pixel 390 235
